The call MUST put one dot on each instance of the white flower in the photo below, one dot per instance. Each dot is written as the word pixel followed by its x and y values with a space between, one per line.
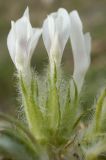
pixel 81 47
pixel 56 30
pixel 22 40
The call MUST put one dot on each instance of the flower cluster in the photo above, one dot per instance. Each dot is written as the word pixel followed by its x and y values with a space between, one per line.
pixel 51 102
pixel 57 28
pixel 53 126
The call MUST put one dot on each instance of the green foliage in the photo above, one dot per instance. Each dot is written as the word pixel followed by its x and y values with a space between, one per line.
pixel 94 137
pixel 16 142
pixel 54 130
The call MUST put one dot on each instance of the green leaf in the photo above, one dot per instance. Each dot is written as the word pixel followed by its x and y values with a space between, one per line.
pixel 99 112
pixel 25 131
pixel 21 130
pixel 96 150
pixel 15 146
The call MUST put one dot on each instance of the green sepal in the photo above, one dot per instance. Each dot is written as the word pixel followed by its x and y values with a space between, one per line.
pixel 34 88
pixel 76 97
pixel 98 112
pixel 66 120
pixel 69 120
pixel 33 112
pixel 53 104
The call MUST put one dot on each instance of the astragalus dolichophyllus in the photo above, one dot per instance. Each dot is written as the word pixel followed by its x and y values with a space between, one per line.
pixel 54 128
pixel 56 31
pixel 22 40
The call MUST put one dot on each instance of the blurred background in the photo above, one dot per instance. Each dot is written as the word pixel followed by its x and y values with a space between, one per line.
pixel 93 15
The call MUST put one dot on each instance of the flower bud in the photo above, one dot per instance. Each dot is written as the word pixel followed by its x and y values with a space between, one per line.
pixel 56 30
pixel 81 47
pixel 22 40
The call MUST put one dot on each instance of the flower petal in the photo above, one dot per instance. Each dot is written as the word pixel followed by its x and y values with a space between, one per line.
pixel 48 32
pixel 23 27
pixel 55 52
pixel 21 60
pixel 81 47
pixel 87 38
pixel 26 13
pixel 11 42
pixel 56 23
pixel 24 32
pixel 22 40
pixel 34 40
pixel 62 23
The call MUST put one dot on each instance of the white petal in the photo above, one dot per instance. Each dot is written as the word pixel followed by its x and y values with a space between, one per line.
pixel 62 23
pixel 22 40
pixel 26 13
pixel 21 60
pixel 23 36
pixel 34 40
pixel 55 55
pixel 87 37
pixel 48 32
pixel 11 41
pixel 56 23
pixel 51 27
pixel 55 51
pixel 80 49
pixel 23 27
